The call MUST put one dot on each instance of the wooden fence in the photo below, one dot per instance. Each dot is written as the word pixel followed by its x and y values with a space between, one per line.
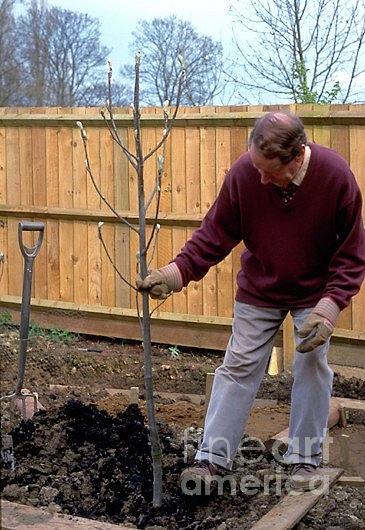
pixel 43 176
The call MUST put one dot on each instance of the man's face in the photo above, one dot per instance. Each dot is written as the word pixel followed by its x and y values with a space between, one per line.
pixel 273 170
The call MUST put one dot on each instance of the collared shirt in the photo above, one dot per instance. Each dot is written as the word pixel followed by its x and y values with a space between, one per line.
pixel 288 193
pixel 298 179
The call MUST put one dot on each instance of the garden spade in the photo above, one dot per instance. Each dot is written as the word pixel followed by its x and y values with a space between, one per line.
pixel 29 253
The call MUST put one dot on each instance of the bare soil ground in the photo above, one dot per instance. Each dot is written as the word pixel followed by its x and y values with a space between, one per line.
pixel 90 456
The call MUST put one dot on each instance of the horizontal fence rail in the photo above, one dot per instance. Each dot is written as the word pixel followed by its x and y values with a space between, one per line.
pixel 43 177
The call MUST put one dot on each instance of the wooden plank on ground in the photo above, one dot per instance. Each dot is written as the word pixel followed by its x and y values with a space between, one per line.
pixel 355 482
pixel 16 516
pixel 293 507
pixel 350 404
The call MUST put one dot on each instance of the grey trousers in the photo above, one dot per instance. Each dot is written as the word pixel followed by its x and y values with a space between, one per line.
pixel 237 380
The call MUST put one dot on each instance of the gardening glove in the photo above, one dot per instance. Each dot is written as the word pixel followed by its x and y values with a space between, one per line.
pixel 161 282
pixel 319 325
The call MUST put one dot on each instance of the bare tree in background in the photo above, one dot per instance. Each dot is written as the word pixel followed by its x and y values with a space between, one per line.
pixel 33 40
pixel 310 51
pixel 164 39
pixel 97 94
pixel 63 58
pixel 10 79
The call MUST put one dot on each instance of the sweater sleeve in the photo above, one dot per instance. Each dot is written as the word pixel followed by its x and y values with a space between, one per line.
pixel 219 232
pixel 347 266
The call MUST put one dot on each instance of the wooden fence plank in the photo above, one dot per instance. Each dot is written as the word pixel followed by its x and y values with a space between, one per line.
pixel 80 229
pixel 52 244
pixel 121 198
pixel 25 166
pixel 93 201
pixel 179 300
pixel 108 231
pixel 106 168
pixel 4 262
pixel 15 259
pixel 39 182
pixel 66 235
pixel 12 166
pixel 133 265
pixel 178 204
pixel 12 170
pixel 208 196
pixel 193 202
pixel 357 163
pixel 224 269
pixel 4 287
pixel 107 271
pixel 3 194
pixel 94 265
pixel 178 171
pixel 288 341
pixel 164 256
pixel 239 144
pixel 52 200
pixel 164 243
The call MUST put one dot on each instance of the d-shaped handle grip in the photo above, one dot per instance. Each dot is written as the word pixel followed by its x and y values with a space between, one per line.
pixel 30 226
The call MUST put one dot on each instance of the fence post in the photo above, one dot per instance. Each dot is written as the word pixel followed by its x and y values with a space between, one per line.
pixel 288 341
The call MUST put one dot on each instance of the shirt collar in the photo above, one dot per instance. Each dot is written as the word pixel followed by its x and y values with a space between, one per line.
pixel 298 179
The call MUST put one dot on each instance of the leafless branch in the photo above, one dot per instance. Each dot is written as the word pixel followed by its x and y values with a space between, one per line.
pixel 89 170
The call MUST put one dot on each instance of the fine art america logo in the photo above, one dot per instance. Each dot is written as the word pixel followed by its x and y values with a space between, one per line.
pixel 250 452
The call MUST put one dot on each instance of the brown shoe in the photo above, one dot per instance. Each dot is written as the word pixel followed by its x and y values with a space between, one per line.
pixel 199 479
pixel 305 477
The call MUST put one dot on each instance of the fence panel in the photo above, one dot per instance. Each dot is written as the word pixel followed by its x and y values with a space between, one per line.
pixel 43 176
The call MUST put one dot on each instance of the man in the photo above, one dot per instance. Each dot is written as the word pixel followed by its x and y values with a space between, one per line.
pixel 297 208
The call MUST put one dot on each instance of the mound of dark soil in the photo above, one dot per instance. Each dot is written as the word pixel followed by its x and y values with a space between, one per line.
pixel 79 460
pixel 84 462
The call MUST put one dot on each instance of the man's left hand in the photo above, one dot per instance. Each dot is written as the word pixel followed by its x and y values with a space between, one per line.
pixel 319 325
pixel 315 331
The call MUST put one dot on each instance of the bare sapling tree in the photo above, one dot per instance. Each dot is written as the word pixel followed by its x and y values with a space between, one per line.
pixel 147 244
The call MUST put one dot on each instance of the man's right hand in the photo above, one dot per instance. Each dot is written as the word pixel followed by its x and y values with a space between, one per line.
pixel 161 282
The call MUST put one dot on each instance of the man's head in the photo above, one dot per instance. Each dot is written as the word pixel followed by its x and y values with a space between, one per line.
pixel 277 144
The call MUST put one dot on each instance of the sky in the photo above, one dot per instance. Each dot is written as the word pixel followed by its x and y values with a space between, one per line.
pixel 118 19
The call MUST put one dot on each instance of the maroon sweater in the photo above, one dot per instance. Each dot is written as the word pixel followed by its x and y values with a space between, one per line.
pixel 296 253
